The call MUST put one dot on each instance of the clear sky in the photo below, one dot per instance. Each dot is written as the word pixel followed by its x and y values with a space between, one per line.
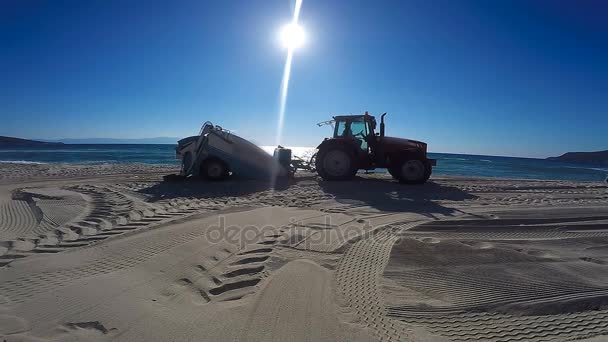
pixel 503 77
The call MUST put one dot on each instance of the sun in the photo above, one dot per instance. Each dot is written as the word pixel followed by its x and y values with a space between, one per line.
pixel 292 36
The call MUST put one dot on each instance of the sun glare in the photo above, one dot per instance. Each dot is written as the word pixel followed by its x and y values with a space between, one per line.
pixel 292 36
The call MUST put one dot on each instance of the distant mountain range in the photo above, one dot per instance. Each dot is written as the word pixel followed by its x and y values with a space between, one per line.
pixel 597 158
pixel 11 142
pixel 157 140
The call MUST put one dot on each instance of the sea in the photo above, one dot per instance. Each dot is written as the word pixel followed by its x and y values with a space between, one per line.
pixel 447 163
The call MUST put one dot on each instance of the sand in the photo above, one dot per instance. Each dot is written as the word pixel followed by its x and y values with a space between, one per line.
pixel 113 253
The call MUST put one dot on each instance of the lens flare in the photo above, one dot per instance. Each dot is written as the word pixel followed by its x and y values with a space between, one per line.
pixel 294 34
pixel 283 100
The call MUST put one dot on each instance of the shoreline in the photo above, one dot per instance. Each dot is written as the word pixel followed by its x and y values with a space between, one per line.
pixel 448 164
pixel 23 170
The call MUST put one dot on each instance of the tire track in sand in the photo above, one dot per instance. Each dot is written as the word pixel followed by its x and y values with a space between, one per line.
pixel 493 290
pixel 357 282
pixel 24 288
pixel 16 219
pixel 111 213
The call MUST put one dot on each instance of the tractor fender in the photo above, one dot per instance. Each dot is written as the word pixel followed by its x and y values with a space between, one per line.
pixel 329 143
pixel 397 157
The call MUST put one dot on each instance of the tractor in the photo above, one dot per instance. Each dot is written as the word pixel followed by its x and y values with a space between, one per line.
pixel 355 146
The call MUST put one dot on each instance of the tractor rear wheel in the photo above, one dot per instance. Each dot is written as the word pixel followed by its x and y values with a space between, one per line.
pixel 414 171
pixel 335 163
pixel 214 169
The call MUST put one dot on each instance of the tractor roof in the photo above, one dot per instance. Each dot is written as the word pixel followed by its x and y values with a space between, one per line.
pixel 345 117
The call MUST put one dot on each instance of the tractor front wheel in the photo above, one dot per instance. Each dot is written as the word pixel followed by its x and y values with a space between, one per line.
pixel 414 171
pixel 335 163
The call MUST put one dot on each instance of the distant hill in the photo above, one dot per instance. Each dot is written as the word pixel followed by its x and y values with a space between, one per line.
pixel 157 140
pixel 12 142
pixel 597 158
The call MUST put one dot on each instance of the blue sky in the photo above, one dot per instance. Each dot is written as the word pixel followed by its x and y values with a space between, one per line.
pixel 502 77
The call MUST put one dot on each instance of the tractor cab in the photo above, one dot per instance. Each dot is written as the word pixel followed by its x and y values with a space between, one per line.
pixel 357 127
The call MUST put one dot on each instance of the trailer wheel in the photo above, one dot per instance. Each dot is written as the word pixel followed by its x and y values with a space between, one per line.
pixel 335 163
pixel 394 172
pixel 414 171
pixel 214 169
pixel 186 164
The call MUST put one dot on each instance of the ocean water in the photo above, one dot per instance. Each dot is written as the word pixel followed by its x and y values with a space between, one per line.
pixel 447 164
pixel 91 154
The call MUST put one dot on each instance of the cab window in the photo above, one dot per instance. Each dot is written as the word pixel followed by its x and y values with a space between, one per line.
pixel 340 128
pixel 358 128
pixel 359 131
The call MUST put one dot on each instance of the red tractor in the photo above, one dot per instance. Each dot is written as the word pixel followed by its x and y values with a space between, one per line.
pixel 356 146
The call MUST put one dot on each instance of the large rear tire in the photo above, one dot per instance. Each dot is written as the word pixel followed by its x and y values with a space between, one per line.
pixel 335 163
pixel 414 171
pixel 214 170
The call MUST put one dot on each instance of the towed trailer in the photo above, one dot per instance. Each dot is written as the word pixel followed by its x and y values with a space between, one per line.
pixel 215 153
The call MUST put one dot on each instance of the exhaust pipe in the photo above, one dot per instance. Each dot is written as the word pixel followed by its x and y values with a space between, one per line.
pixel 382 124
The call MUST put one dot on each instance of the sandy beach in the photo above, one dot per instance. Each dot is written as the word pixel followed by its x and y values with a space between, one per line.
pixel 113 253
